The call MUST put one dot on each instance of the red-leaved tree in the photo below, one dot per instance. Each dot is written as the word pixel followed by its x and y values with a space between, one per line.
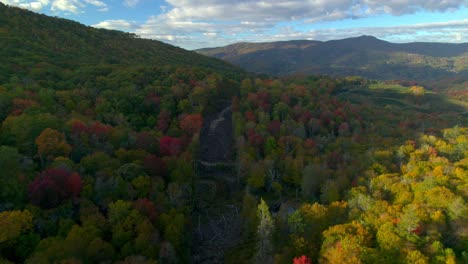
pixel 53 186
pixel 302 260
pixel 170 146
pixel 191 124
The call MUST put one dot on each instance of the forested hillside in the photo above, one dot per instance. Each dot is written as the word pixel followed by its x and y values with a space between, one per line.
pixel 98 133
pixel 115 149
pixel 363 56
pixel 39 46
pixel 350 176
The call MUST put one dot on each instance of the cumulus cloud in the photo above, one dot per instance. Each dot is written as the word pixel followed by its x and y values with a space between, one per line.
pixel 287 10
pixel 449 31
pixel 218 22
pixel 118 24
pixel 57 6
pixel 66 5
pixel 32 5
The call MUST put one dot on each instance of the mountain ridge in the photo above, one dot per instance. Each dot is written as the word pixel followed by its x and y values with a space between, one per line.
pixel 367 56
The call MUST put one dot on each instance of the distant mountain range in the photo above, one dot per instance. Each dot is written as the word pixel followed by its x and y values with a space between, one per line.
pixel 364 56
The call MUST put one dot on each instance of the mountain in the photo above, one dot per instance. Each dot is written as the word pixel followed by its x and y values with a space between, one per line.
pixel 366 56
pixel 28 39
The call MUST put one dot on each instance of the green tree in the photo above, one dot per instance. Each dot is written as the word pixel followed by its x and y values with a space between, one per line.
pixel 265 231
pixel 12 189
pixel 22 130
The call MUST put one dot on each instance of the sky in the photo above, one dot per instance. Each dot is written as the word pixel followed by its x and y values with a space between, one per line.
pixel 193 24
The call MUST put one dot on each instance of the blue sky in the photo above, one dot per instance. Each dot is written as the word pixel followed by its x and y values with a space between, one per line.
pixel 194 24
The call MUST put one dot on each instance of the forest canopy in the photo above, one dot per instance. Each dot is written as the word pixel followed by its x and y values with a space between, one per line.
pixel 103 135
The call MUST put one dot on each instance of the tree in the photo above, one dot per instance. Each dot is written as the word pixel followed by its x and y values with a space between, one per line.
pixel 147 141
pixel 164 119
pixel 313 176
pixel 191 124
pixel 24 129
pixel 265 230
pixel 53 186
pixel 51 144
pixel 155 166
pixel 302 260
pixel 17 239
pixel 170 146
pixel 345 243
pixel 11 180
pixel 146 208
pixel 257 176
pixel 417 92
pixel 13 224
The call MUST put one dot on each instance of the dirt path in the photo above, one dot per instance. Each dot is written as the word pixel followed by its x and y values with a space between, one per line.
pixel 216 138
pixel 216 219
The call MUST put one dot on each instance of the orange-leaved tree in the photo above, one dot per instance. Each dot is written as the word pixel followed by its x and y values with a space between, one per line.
pixel 52 143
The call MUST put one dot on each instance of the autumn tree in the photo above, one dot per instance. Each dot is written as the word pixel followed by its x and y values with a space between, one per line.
pixel 191 124
pixel 265 231
pixel 346 243
pixel 53 186
pixel 302 260
pixel 22 130
pixel 13 224
pixel 51 143
pixel 17 237
pixel 170 146
pixel 418 92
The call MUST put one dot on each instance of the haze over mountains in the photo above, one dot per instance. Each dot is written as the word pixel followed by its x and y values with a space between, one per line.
pixel 365 56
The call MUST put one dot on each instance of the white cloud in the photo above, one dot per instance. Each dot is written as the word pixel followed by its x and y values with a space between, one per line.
pixel 287 10
pixel 35 5
pixel 102 7
pixel 72 6
pixel 96 3
pixel 210 34
pixel 32 5
pixel 200 34
pixel 57 6
pixel 131 3
pixel 199 23
pixel 118 24
pixel 449 31
pixel 184 22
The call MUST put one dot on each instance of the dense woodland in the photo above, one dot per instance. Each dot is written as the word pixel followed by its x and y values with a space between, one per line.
pixel 357 183
pixel 100 143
